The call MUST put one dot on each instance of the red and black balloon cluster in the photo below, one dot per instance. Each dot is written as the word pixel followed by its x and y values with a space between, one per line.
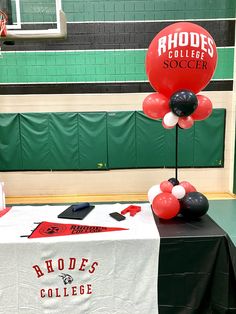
pixel 172 198
pixel 182 108
pixel 180 62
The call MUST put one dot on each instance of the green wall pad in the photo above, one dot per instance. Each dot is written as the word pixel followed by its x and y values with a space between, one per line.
pixel 106 140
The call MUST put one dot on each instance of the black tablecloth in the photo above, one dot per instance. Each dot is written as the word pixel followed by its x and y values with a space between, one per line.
pixel 197 268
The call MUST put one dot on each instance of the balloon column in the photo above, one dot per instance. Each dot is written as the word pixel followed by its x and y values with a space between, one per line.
pixel 180 62
pixel 172 197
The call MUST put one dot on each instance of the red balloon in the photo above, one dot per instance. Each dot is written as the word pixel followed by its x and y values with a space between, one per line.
pixel 181 56
pixel 186 122
pixel 204 108
pixel 188 187
pixel 155 106
pixel 165 205
pixel 166 186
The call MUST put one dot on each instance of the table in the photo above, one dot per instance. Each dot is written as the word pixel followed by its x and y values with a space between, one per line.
pixel 197 264
pixel 64 270
pixel 197 268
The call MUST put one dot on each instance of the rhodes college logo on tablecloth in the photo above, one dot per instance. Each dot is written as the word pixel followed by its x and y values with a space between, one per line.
pixel 65 277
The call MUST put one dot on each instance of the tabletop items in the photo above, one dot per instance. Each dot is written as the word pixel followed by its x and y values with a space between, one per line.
pixel 77 211
pixel 45 229
pixel 81 210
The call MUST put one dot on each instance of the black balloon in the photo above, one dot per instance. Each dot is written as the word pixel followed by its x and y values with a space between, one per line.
pixel 183 103
pixel 173 181
pixel 194 205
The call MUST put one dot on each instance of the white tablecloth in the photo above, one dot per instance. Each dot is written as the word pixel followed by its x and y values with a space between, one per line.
pixel 107 273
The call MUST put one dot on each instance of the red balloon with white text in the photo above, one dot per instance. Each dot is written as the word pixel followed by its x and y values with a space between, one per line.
pixel 181 56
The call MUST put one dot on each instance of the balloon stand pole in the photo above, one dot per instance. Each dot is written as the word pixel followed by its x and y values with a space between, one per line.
pixel 176 150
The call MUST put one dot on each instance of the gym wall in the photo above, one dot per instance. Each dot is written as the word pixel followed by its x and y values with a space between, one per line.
pixel 97 76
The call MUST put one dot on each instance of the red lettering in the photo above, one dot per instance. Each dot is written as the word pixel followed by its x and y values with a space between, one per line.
pixel 89 289
pixel 93 267
pixel 81 289
pixel 72 263
pixel 57 293
pixel 38 271
pixel 49 266
pixel 60 264
pixel 83 264
pixel 74 290
pixel 42 293
pixel 65 293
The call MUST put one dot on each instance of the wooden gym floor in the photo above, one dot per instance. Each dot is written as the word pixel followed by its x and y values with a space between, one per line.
pixel 60 199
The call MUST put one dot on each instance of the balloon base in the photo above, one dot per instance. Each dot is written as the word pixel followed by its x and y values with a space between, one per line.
pixel 173 199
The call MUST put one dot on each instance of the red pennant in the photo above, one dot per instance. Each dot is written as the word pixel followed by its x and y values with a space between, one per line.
pixel 4 211
pixel 53 229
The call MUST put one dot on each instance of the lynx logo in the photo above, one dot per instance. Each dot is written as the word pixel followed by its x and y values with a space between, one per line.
pixel 51 230
pixel 66 278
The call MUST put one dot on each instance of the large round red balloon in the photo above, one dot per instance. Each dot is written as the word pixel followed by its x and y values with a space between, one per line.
pixel 181 56
pixel 165 205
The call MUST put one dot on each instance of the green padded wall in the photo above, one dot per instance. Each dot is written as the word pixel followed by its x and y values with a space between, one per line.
pixel 150 142
pixel 92 140
pixel 34 134
pixel 212 138
pixel 106 140
pixel 121 139
pixel 63 140
pixel 10 142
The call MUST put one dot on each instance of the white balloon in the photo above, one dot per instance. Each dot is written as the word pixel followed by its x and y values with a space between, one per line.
pixel 170 119
pixel 153 192
pixel 178 191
